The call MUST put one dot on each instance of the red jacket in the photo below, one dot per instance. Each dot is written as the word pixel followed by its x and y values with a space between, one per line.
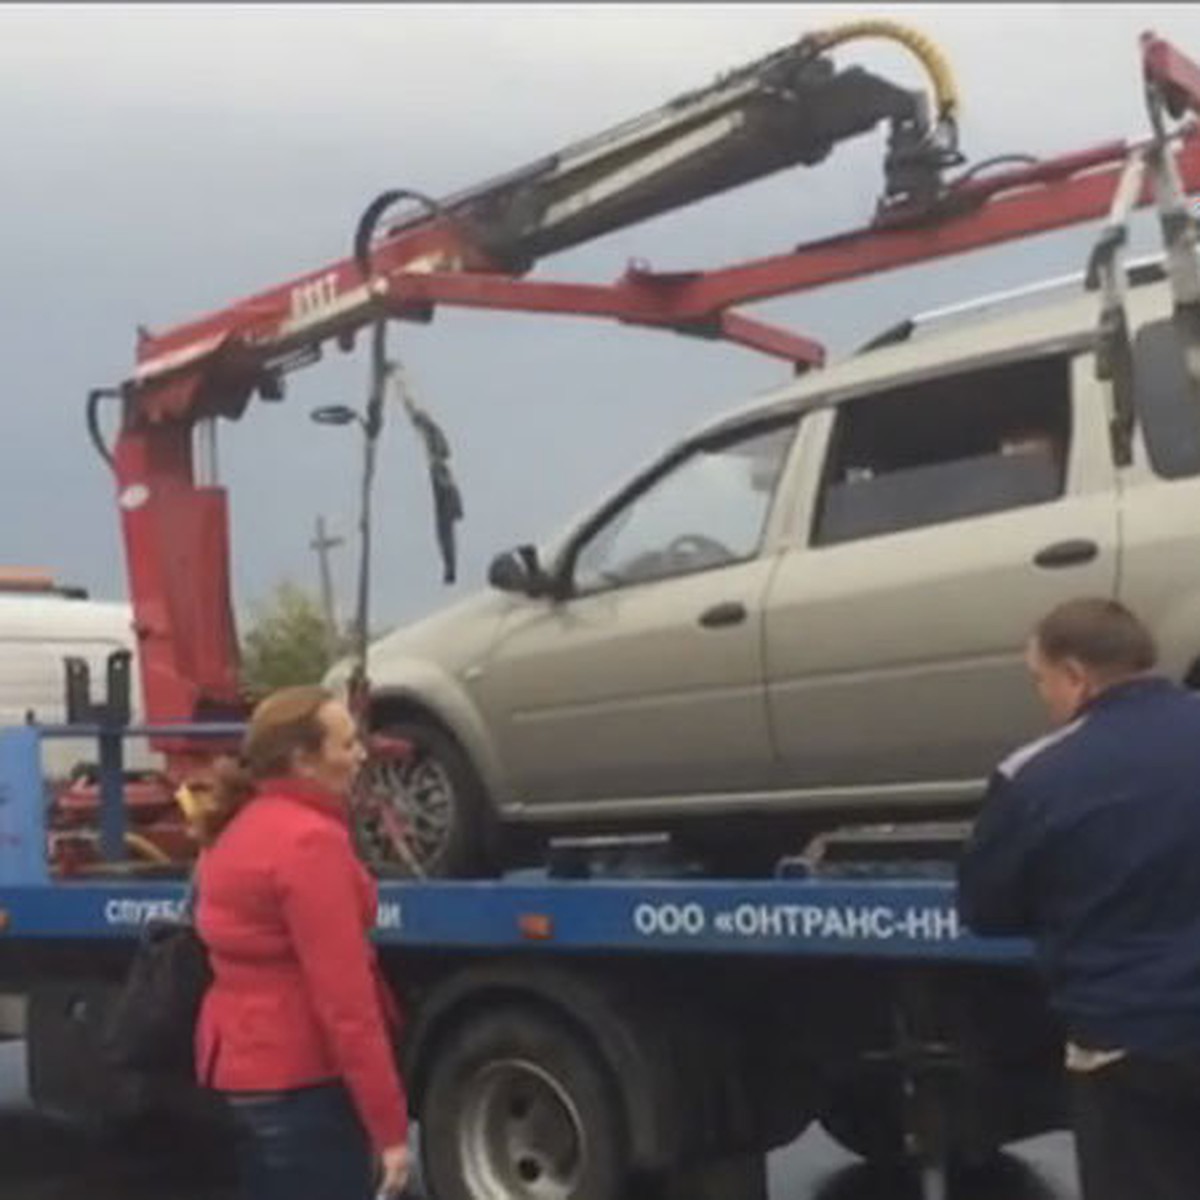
pixel 284 907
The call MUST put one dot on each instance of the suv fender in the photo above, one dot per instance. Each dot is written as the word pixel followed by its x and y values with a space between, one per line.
pixel 424 689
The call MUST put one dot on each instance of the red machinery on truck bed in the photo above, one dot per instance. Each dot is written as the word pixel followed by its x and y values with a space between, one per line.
pixel 475 249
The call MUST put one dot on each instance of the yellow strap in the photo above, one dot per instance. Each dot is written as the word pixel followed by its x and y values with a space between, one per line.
pixel 146 848
pixel 189 802
pixel 931 57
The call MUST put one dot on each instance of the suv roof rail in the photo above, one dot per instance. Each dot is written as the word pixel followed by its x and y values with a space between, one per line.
pixel 1140 271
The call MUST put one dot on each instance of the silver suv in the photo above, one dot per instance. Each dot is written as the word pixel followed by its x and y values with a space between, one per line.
pixel 813 610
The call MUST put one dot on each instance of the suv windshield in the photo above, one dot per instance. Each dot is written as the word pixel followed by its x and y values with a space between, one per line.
pixel 708 510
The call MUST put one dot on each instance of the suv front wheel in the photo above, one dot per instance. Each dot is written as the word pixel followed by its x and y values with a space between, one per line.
pixel 425 813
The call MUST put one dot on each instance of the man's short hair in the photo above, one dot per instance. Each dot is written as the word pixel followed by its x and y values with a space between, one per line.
pixel 1102 634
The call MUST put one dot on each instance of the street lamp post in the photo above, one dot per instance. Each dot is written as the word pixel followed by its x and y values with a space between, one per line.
pixel 371 424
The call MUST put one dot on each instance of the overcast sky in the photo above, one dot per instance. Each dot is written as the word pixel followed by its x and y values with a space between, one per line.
pixel 162 161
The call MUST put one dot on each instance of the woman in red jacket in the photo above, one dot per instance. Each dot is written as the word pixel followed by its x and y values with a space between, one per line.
pixel 297 1030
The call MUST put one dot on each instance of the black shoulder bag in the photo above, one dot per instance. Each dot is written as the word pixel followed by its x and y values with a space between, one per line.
pixel 152 1023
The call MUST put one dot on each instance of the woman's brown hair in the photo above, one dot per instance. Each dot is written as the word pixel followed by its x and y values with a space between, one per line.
pixel 283 724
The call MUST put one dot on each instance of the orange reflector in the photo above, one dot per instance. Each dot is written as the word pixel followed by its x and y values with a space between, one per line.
pixel 25 579
pixel 536 927
pixel 5 920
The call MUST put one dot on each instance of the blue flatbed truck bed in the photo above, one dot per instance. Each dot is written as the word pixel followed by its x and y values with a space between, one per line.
pixel 569 1035
pixel 903 920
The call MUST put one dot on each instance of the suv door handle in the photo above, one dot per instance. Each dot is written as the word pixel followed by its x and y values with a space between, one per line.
pixel 1070 553
pixel 729 613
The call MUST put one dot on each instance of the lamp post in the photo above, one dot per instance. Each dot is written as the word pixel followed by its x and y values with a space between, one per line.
pixel 371 423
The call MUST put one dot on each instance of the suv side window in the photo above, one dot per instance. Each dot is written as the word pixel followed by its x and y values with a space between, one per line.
pixel 947 449
pixel 708 509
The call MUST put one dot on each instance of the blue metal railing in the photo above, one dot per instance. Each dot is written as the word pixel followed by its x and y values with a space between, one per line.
pixel 25 799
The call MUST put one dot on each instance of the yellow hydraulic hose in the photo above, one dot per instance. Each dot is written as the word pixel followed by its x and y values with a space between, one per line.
pixel 932 59
pixel 146 848
pixel 189 801
pixel 194 801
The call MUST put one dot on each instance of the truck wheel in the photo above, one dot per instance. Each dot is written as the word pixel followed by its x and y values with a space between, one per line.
pixel 435 802
pixel 519 1106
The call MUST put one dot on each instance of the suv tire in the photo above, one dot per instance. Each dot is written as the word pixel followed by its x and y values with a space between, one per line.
pixel 447 811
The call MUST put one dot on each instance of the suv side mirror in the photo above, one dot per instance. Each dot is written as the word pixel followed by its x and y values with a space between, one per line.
pixel 519 571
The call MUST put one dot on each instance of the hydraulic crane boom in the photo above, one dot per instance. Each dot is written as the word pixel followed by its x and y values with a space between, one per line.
pixel 789 108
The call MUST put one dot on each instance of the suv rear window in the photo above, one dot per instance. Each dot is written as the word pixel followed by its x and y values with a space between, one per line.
pixel 947 449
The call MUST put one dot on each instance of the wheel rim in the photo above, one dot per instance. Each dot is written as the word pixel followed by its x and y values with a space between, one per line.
pixel 520 1136
pixel 418 797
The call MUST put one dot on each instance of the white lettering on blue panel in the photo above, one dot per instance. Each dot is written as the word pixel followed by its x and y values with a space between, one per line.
pixel 670 920
pixel 760 921
pixel 135 913
pixel 390 917
pixel 931 924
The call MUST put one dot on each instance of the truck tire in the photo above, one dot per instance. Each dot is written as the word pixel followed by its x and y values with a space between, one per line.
pixel 519 1105
pixel 439 797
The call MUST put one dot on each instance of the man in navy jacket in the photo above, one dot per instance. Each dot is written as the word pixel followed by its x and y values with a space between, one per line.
pixel 1089 842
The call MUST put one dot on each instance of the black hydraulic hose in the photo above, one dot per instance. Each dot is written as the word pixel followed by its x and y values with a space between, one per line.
pixel 447 499
pixel 93 423
pixel 1026 160
pixel 951 201
pixel 369 220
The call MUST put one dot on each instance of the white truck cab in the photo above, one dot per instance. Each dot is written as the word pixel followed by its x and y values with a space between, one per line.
pixel 41 625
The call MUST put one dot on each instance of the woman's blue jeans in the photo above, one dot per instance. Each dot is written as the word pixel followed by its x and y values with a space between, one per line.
pixel 306 1144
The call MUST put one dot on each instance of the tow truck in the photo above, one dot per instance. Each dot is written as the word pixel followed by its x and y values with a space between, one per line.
pixel 616 1018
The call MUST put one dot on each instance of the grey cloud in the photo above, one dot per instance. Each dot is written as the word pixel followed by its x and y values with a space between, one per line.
pixel 163 161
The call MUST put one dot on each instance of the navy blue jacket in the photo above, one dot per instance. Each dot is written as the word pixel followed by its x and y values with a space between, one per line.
pixel 1089 842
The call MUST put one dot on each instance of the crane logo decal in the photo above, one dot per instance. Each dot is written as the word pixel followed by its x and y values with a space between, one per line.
pixel 314 296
